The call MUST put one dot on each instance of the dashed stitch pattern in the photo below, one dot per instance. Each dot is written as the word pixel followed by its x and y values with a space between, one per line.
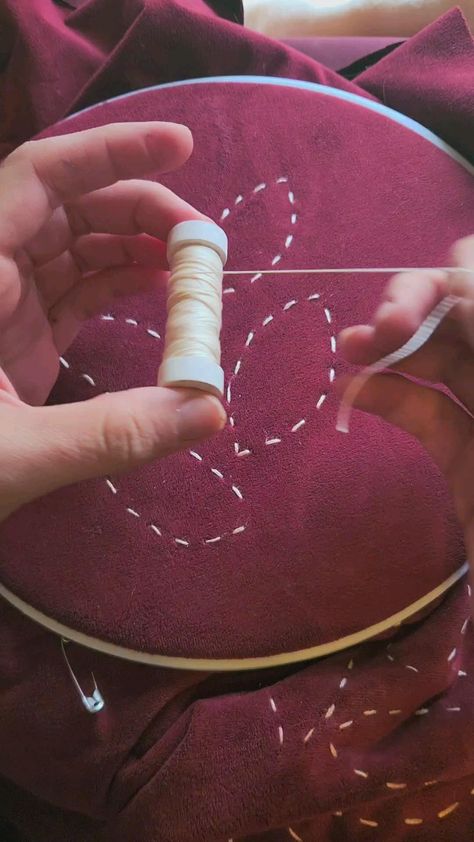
pixel 248 345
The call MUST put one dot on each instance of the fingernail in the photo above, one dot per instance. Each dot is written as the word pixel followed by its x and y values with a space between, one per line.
pixel 200 418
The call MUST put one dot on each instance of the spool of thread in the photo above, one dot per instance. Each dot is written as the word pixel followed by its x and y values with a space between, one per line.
pixel 197 252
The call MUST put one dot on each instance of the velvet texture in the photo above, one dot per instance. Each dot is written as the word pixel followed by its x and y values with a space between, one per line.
pixel 305 538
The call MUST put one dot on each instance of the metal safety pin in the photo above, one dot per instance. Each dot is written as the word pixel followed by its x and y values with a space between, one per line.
pixel 92 704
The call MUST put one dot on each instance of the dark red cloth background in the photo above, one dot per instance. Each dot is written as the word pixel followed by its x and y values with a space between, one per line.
pixel 363 196
pixel 185 756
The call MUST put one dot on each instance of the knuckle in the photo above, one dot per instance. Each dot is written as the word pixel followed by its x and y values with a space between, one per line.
pixel 129 439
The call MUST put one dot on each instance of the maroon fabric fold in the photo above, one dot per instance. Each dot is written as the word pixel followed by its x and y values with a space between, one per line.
pixel 431 78
pixel 376 741
pixel 56 61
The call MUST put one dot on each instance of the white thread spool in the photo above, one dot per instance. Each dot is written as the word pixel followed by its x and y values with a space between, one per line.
pixel 197 252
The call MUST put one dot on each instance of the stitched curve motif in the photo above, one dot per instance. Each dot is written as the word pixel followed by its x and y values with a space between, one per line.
pixel 285 317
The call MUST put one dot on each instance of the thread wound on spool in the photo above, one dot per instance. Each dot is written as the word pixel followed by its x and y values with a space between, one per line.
pixel 197 252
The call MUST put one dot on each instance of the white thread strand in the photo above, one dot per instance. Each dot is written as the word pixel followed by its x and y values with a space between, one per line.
pixel 351 271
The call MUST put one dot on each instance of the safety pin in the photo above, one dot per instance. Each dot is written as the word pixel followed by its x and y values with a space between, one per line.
pixel 92 704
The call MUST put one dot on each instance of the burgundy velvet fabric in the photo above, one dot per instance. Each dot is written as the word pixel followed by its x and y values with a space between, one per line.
pixel 409 80
pixel 338 53
pixel 339 532
pixel 55 61
pixel 262 537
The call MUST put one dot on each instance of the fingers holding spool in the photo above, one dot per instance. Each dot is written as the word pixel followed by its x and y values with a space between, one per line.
pixel 192 360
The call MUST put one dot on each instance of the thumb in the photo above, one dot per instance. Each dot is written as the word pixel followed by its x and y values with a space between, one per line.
pixel 112 433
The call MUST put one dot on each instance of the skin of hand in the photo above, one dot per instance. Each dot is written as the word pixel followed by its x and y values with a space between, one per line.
pixel 78 229
pixel 444 426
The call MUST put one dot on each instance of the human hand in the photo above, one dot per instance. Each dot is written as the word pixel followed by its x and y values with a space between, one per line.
pixel 78 229
pixel 439 422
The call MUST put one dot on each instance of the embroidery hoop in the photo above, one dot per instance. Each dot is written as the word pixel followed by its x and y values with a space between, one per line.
pixel 309 653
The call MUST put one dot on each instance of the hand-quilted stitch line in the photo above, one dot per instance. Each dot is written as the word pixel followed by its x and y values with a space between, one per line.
pixel 409 821
pixel 253 334
pixel 158 530
pixel 161 531
pixel 260 188
pixel 275 439
pixel 109 318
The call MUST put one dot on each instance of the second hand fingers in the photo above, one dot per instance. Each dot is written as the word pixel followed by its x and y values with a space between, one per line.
pixel 408 299
pixel 443 427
